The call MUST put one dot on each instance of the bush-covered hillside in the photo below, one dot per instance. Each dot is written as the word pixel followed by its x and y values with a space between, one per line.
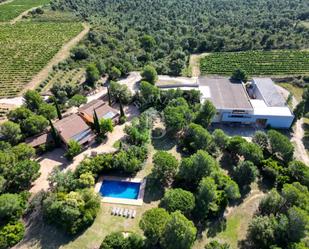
pixel 164 32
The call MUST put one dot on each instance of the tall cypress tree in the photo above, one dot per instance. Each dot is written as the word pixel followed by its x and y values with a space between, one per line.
pixel 121 109
pixel 54 133
pixel 109 97
pixel 122 117
pixel 57 108
pixel 96 123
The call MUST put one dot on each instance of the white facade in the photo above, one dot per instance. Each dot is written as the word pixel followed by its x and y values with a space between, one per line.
pixel 266 106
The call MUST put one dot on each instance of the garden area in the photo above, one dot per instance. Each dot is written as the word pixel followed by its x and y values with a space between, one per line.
pixel 204 189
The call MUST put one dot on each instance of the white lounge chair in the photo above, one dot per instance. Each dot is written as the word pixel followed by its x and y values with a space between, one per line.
pixel 133 214
pixel 113 210
pixel 125 213
pixel 129 214
pixel 120 212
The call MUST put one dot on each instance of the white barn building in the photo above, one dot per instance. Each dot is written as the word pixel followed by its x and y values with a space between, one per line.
pixel 258 103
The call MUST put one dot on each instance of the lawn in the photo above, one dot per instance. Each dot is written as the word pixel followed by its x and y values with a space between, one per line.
pixel 13 9
pixel 234 228
pixel 276 62
pixel 297 92
pixel 26 47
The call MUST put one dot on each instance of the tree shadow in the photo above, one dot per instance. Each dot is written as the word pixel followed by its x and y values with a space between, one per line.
pixel 42 235
pixel 305 139
pixel 165 143
pixel 213 226
pixel 154 190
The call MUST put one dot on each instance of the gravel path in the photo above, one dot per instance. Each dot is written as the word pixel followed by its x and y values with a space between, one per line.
pixel 298 132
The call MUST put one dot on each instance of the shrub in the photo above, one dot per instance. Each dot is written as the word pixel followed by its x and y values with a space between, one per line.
pixel 74 148
pixel 11 234
pixel 75 211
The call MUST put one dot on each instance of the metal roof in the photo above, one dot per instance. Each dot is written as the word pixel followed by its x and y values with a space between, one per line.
pixel 269 92
pixel 224 93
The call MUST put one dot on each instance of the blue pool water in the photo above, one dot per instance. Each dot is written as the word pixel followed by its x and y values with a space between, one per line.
pixel 118 189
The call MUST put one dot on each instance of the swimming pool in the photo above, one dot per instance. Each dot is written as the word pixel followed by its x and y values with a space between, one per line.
pixel 120 189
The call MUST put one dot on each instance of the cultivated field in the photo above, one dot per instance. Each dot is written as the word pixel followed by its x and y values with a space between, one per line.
pixel 74 76
pixel 26 47
pixel 281 62
pixel 13 9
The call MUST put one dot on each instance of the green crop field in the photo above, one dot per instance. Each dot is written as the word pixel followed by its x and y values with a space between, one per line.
pixel 280 62
pixel 26 47
pixel 13 9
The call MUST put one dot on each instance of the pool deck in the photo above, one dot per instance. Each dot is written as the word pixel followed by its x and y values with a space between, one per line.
pixel 134 202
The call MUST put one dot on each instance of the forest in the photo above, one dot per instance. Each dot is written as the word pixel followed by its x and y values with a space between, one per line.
pixel 130 34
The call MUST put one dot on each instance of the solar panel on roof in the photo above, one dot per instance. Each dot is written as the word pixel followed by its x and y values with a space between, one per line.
pixel 110 114
pixel 80 136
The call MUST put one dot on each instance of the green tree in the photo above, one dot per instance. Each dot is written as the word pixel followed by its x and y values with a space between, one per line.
pixel 251 152
pixel 57 108
pixel 75 211
pixel 19 114
pixel 272 203
pixel 86 180
pixel 177 114
pixel 245 173
pixel 33 100
pixel 149 74
pixel 48 111
pixel 153 223
pixel 179 232
pixel 120 92
pixel 280 146
pixel 216 245
pixel 20 175
pixel 178 199
pixel 65 181
pixel 240 74
pixel 195 167
pixel 261 231
pixel 77 100
pixel 148 94
pixel 106 125
pixel 261 139
pixel 299 172
pixel 23 151
pixel 165 167
pixel 117 240
pixel 206 197
pixel 220 138
pixel 11 207
pixel 196 138
pixel 148 42
pixel 11 234
pixel 206 114
pixel 73 149
pixel 92 75
pixel 10 132
pixel 80 53
pixel 114 73
pixel 34 124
